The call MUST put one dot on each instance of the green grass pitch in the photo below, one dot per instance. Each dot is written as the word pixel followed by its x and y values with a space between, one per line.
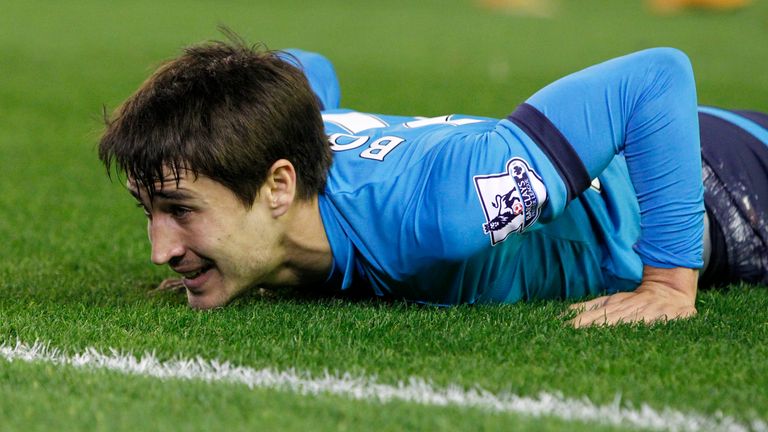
pixel 74 267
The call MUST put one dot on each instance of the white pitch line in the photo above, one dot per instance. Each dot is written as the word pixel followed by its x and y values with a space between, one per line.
pixel 415 390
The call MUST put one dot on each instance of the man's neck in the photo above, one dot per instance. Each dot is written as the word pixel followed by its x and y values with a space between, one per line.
pixel 308 257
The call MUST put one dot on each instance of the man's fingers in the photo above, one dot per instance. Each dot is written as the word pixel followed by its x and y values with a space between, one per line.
pixel 586 310
pixel 668 315
pixel 169 285
pixel 607 316
pixel 619 297
pixel 601 301
pixel 589 305
pixel 603 315
pixel 624 315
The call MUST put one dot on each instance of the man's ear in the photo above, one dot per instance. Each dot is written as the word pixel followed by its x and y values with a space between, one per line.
pixel 281 187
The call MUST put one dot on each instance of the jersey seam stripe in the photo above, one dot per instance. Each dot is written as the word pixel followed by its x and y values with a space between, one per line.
pixel 555 145
pixel 754 129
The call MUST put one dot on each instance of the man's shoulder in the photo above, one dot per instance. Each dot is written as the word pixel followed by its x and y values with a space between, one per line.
pixel 369 148
pixel 357 123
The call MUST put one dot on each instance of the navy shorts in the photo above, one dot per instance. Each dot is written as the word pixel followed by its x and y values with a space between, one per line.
pixel 734 151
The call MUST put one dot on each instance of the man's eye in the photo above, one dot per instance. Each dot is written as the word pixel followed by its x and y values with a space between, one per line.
pixel 179 212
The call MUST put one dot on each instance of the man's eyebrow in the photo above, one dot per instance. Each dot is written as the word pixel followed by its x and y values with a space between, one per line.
pixel 174 195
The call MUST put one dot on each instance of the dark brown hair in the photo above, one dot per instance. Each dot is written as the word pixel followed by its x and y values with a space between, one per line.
pixel 225 110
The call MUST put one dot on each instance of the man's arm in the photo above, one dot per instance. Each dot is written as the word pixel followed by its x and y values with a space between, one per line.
pixel 644 106
pixel 320 74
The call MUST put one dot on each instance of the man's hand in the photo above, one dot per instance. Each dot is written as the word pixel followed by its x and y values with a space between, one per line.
pixel 663 294
pixel 174 285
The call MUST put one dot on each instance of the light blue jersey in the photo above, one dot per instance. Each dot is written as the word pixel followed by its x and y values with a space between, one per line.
pixel 461 209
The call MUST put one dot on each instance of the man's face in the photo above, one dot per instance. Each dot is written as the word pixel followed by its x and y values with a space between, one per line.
pixel 203 232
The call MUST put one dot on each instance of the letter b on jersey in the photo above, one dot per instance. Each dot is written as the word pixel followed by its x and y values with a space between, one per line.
pixel 379 149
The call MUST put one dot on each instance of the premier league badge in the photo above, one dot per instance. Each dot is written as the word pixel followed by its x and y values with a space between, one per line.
pixel 511 200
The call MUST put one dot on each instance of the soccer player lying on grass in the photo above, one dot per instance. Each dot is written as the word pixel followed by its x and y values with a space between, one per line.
pixel 593 185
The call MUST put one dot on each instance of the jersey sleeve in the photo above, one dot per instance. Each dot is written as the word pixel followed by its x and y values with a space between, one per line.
pixel 642 106
pixel 320 74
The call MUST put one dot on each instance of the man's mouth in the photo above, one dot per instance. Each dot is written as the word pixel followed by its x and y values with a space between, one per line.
pixel 195 279
pixel 196 273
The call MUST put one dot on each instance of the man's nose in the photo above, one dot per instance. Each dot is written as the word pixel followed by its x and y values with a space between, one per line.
pixel 165 240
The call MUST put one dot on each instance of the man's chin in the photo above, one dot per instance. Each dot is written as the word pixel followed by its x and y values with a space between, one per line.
pixel 205 301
